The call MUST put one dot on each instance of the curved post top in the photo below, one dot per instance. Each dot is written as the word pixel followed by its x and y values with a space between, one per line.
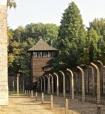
pixel 80 68
pixel 100 62
pixel 70 71
pixel 94 65
pixel 62 73
pixel 43 77
pixel 40 77
pixel 50 75
pixel 55 74
pixel 104 66
pixel 90 67
pixel 46 76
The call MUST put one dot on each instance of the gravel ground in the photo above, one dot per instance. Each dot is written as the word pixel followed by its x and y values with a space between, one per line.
pixel 28 105
pixel 75 106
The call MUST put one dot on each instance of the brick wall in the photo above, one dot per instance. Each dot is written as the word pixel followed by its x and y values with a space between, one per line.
pixel 3 53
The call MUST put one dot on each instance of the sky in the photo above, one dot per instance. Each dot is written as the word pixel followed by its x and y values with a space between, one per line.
pixel 50 11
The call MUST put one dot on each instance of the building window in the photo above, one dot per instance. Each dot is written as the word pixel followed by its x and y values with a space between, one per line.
pixel 44 54
pixel 49 54
pixel 39 54
pixel 35 54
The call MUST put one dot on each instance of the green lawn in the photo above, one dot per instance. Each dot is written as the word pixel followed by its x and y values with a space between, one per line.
pixel 13 93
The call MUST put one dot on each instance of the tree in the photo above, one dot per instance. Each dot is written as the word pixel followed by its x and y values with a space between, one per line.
pixel 92 44
pixel 49 32
pixel 11 3
pixel 71 38
pixel 20 34
pixel 22 39
pixel 99 26
pixel 10 55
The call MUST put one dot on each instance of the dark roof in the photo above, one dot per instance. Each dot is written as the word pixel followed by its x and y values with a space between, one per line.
pixel 41 45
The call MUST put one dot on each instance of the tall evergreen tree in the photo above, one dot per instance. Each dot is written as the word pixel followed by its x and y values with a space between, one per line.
pixel 71 39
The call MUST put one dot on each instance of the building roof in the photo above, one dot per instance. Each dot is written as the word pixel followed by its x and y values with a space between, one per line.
pixel 41 45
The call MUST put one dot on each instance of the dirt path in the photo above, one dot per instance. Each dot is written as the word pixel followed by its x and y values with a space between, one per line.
pixel 24 105
pixel 28 105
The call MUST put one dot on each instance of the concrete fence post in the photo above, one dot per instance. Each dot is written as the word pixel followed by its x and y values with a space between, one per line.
pixel 52 84
pixel 41 83
pixel 83 83
pixel 66 106
pixel 101 76
pixel 17 85
pixel 36 95
pixel 44 84
pixel 64 91
pixel 76 82
pixel 72 82
pixel 31 93
pixel 98 83
pixel 93 80
pixel 98 109
pixel 42 97
pixel 47 84
pixel 57 84
pixel 51 101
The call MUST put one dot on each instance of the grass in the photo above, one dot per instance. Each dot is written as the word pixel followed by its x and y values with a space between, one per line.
pixel 14 93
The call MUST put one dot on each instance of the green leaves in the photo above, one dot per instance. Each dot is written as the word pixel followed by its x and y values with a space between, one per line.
pixel 71 37
pixel 11 3
pixel 97 30
pixel 22 39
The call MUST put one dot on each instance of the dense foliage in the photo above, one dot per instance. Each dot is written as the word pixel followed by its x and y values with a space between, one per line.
pixel 76 43
pixel 22 39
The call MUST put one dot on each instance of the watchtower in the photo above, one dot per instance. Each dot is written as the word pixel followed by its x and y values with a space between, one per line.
pixel 41 58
